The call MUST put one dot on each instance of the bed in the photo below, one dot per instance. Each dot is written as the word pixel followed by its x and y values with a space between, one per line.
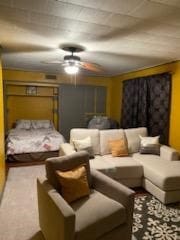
pixel 33 140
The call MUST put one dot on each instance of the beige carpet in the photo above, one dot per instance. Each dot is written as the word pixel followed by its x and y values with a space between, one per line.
pixel 18 210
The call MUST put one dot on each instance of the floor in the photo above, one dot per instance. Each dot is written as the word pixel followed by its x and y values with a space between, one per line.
pixel 19 211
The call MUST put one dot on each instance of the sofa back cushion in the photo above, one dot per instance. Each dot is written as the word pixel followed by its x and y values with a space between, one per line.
pixel 109 135
pixel 82 133
pixel 133 139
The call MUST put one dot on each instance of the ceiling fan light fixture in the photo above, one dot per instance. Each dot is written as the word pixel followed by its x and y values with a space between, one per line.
pixel 72 63
pixel 71 69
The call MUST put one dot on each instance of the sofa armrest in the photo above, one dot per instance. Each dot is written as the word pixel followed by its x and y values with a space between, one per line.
pixel 168 153
pixel 56 217
pixel 66 149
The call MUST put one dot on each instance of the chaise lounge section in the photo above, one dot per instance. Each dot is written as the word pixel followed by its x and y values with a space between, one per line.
pixel 158 174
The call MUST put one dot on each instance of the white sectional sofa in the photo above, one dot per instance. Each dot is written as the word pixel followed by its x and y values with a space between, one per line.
pixel 159 175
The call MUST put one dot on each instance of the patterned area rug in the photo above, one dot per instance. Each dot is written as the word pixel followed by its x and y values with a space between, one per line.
pixel 155 221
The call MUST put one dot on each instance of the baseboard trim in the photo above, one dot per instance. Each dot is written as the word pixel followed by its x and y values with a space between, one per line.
pixel 2 192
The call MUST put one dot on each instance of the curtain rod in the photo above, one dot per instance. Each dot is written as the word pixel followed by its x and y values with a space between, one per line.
pixel 142 76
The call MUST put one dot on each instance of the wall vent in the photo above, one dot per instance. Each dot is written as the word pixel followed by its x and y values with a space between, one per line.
pixel 51 77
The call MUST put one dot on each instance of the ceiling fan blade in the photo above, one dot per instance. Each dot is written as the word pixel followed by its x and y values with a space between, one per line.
pixel 91 66
pixel 53 62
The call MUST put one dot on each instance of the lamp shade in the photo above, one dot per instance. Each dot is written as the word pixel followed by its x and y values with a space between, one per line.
pixel 71 69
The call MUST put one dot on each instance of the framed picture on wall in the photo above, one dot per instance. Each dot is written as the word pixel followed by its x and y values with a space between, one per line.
pixel 31 90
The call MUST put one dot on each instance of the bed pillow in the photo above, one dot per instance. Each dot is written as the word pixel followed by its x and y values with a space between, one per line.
pixel 84 145
pixel 74 183
pixel 23 124
pixel 118 148
pixel 39 124
pixel 149 145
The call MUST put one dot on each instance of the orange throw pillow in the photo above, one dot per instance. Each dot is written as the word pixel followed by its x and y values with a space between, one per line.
pixel 118 148
pixel 74 183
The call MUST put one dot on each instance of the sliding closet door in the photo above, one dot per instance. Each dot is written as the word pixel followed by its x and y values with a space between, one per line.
pixel 95 101
pixel 100 100
pixel 71 112
pixel 89 99
pixel 78 104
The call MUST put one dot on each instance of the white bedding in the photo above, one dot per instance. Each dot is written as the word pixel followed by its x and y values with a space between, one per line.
pixel 33 140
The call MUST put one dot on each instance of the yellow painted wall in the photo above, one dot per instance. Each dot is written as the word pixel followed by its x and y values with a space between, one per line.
pixel 25 76
pixel 2 155
pixel 174 68
pixel 116 99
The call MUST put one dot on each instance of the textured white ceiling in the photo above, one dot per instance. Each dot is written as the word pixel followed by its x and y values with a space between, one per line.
pixel 120 35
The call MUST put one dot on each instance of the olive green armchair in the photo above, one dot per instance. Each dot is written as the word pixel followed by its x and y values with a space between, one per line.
pixel 106 214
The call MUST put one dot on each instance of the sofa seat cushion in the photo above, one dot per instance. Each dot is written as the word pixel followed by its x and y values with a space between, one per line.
pixel 162 173
pixel 96 215
pixel 117 167
pixel 101 164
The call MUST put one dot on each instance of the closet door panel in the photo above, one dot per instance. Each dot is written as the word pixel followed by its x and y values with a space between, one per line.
pixel 89 99
pixel 71 114
pixel 101 100
pixel 78 104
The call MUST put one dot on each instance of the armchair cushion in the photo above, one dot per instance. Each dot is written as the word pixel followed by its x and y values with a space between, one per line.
pixel 74 184
pixel 97 215
pixel 66 163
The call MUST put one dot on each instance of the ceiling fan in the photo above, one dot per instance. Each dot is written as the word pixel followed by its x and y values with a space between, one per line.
pixel 72 63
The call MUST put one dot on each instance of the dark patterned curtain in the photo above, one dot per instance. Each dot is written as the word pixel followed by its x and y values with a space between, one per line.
pixel 146 103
